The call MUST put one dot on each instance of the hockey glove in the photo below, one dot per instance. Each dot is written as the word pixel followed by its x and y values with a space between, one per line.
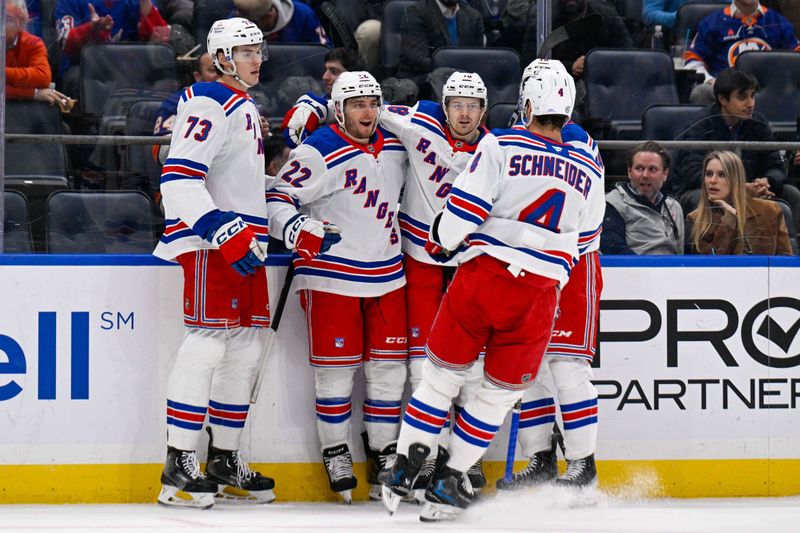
pixel 304 118
pixel 310 237
pixel 434 248
pixel 238 243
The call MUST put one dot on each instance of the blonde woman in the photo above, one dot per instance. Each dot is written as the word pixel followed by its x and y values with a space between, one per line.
pixel 727 220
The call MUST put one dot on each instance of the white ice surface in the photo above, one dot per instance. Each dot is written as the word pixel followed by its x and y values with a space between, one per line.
pixel 542 511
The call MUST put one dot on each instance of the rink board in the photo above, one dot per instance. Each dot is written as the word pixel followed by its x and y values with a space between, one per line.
pixel 697 375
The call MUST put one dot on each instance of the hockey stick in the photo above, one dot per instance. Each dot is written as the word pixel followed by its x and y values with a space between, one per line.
pixel 582 26
pixel 272 333
pixel 512 441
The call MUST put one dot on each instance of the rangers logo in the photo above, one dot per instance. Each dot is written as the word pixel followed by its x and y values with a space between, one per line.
pixel 338 342
pixel 186 303
pixel 459 144
pixel 526 378
pixel 415 332
pixel 234 303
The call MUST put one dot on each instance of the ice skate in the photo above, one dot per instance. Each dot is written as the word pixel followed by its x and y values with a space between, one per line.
pixel 183 485
pixel 580 473
pixel 424 479
pixel 542 468
pixel 476 476
pixel 448 494
pixel 236 483
pixel 399 475
pixel 339 465
pixel 376 461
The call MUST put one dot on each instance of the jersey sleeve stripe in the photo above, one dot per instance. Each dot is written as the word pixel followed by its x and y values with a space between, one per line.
pixel 275 196
pixel 235 106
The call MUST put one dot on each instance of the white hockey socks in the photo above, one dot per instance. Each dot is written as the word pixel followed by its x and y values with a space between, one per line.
pixel 478 423
pixel 429 406
pixel 189 385
pixel 538 413
pixel 334 387
pixel 230 388
pixel 577 399
pixel 385 384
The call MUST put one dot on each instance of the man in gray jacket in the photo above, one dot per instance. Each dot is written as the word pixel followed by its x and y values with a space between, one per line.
pixel 639 218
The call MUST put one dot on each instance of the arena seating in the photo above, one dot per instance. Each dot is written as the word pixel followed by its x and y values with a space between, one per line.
pixel 285 60
pixel 390 33
pixel 499 68
pixel 112 222
pixel 778 96
pixel 16 228
pixel 689 16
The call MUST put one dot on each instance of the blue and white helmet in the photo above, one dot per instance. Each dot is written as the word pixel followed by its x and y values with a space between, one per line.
pixel 549 89
pixel 353 84
pixel 226 34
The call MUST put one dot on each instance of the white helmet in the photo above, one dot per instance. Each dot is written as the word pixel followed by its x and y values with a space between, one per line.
pixel 466 84
pixel 225 34
pixel 353 84
pixel 549 90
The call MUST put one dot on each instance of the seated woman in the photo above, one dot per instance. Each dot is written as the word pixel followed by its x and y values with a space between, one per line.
pixel 727 220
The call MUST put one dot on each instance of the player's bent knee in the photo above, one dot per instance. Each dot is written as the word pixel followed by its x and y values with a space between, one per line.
pixel 385 377
pixel 201 348
pixel 449 382
pixel 571 372
pixel 333 382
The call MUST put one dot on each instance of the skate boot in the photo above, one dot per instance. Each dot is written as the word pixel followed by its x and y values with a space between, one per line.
pixel 476 477
pixel 542 468
pixel 183 485
pixel 399 475
pixel 376 461
pixel 339 465
pixel 580 473
pixel 448 494
pixel 236 482
pixel 424 479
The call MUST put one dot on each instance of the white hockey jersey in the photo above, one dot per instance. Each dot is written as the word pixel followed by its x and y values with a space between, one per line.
pixel 435 159
pixel 357 187
pixel 524 199
pixel 574 135
pixel 215 163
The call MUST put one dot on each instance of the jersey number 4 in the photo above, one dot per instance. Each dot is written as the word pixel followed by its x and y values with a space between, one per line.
pixel 546 211
pixel 205 127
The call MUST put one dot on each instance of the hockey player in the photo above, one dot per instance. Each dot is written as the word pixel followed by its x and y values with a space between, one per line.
pixel 216 228
pixel 349 174
pixel 566 371
pixel 517 208
pixel 440 138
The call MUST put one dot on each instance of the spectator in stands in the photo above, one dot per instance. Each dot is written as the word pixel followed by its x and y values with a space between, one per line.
pixel 80 22
pixel 665 12
pixel 27 67
pixel 572 53
pixel 743 26
pixel 312 109
pixel 789 9
pixel 732 118
pixel 640 219
pixel 730 221
pixel 178 12
pixel 431 24
pixel 284 21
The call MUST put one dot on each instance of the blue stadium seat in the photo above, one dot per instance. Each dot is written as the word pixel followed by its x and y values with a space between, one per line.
pixel 285 60
pixel 689 16
pixel 499 68
pixel 36 190
pixel 390 33
pixel 669 122
pixel 114 222
pixel 630 8
pixel 500 115
pixel 778 75
pixel 621 84
pixel 107 69
pixel 34 159
pixel 16 228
